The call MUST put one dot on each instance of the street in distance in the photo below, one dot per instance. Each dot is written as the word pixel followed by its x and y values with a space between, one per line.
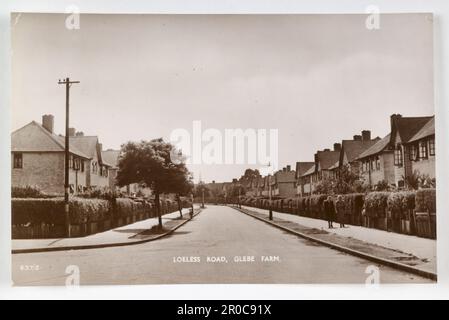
pixel 224 259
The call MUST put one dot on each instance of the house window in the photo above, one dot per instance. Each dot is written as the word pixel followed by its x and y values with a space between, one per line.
pixel 398 158
pixel 70 161
pixel 18 161
pixel 432 146
pixel 82 165
pixel 377 163
pixel 423 150
pixel 77 163
pixel 413 152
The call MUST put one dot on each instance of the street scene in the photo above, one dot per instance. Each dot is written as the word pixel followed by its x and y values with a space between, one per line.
pixel 264 255
pixel 226 149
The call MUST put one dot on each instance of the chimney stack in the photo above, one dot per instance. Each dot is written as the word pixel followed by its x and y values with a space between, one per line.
pixel 289 168
pixel 357 138
pixel 284 169
pixel 366 135
pixel 337 146
pixel 79 134
pixel 327 150
pixel 72 132
pixel 393 119
pixel 48 122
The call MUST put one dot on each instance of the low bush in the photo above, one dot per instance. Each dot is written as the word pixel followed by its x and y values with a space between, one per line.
pixel 376 204
pixel 316 204
pixel 28 192
pixel 51 211
pixel 398 203
pixel 426 200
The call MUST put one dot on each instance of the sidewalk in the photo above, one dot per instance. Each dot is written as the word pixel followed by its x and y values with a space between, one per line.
pixel 412 251
pixel 134 233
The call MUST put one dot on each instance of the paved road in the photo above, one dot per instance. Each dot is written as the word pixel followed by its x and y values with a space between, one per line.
pixel 218 233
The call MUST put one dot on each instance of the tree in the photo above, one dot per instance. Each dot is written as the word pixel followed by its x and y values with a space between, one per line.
pixel 150 163
pixel 250 173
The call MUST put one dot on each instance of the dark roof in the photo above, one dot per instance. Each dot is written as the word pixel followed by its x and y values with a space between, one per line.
pixel 407 127
pixel 426 131
pixel 378 147
pixel 309 172
pixel 285 176
pixel 327 159
pixel 354 148
pixel 35 138
pixel 111 157
pixel 303 167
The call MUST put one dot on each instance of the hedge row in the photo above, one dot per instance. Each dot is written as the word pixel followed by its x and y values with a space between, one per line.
pixel 392 211
pixel 49 212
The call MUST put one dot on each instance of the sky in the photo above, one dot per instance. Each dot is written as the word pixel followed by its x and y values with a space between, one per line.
pixel 317 79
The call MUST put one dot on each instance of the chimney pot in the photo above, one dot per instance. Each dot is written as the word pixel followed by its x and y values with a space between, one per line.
pixel 327 150
pixel 366 135
pixel 357 138
pixel 337 146
pixel 289 168
pixel 79 134
pixel 48 122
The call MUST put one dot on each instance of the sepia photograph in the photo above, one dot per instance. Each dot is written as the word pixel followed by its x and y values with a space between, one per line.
pixel 222 149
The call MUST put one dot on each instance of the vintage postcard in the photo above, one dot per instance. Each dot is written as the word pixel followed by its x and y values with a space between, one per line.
pixel 222 149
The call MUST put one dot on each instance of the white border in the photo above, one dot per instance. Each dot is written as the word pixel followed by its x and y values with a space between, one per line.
pixel 440 8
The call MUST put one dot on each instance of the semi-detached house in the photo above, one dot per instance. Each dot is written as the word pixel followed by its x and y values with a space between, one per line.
pixel 38 158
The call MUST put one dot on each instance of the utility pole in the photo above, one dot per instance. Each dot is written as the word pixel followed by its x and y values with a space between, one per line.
pixel 67 83
pixel 270 216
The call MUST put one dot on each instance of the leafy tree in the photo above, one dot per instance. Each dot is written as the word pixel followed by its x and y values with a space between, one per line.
pixel 250 173
pixel 150 163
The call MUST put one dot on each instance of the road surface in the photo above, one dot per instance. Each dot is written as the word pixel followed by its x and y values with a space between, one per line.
pixel 220 245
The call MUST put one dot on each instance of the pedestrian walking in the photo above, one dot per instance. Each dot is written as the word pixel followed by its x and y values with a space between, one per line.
pixel 340 209
pixel 329 210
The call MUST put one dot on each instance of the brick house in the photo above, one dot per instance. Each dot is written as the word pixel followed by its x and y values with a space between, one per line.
pixel 409 147
pixel 301 169
pixel 350 150
pixel 38 158
pixel 422 150
pixel 285 183
pixel 326 162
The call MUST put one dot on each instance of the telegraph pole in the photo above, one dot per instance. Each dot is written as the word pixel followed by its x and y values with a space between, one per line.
pixel 68 84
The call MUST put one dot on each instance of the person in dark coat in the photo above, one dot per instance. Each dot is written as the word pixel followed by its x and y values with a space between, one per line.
pixel 329 210
pixel 340 209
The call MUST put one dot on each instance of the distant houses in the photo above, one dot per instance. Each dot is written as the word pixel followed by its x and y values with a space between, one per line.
pixel 408 149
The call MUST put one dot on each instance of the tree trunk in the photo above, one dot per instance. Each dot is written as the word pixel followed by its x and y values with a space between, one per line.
pixel 158 209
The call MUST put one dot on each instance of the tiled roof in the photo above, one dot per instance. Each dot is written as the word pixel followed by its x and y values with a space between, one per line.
pixel 409 126
pixel 35 138
pixel 354 148
pixel 335 166
pixel 303 167
pixel 427 130
pixel 327 159
pixel 87 144
pixel 378 147
pixel 309 172
pixel 285 176
pixel 110 157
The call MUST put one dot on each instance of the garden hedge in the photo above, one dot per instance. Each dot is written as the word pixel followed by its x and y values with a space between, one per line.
pixel 426 200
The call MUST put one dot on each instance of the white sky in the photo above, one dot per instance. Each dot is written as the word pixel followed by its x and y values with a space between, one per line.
pixel 317 78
